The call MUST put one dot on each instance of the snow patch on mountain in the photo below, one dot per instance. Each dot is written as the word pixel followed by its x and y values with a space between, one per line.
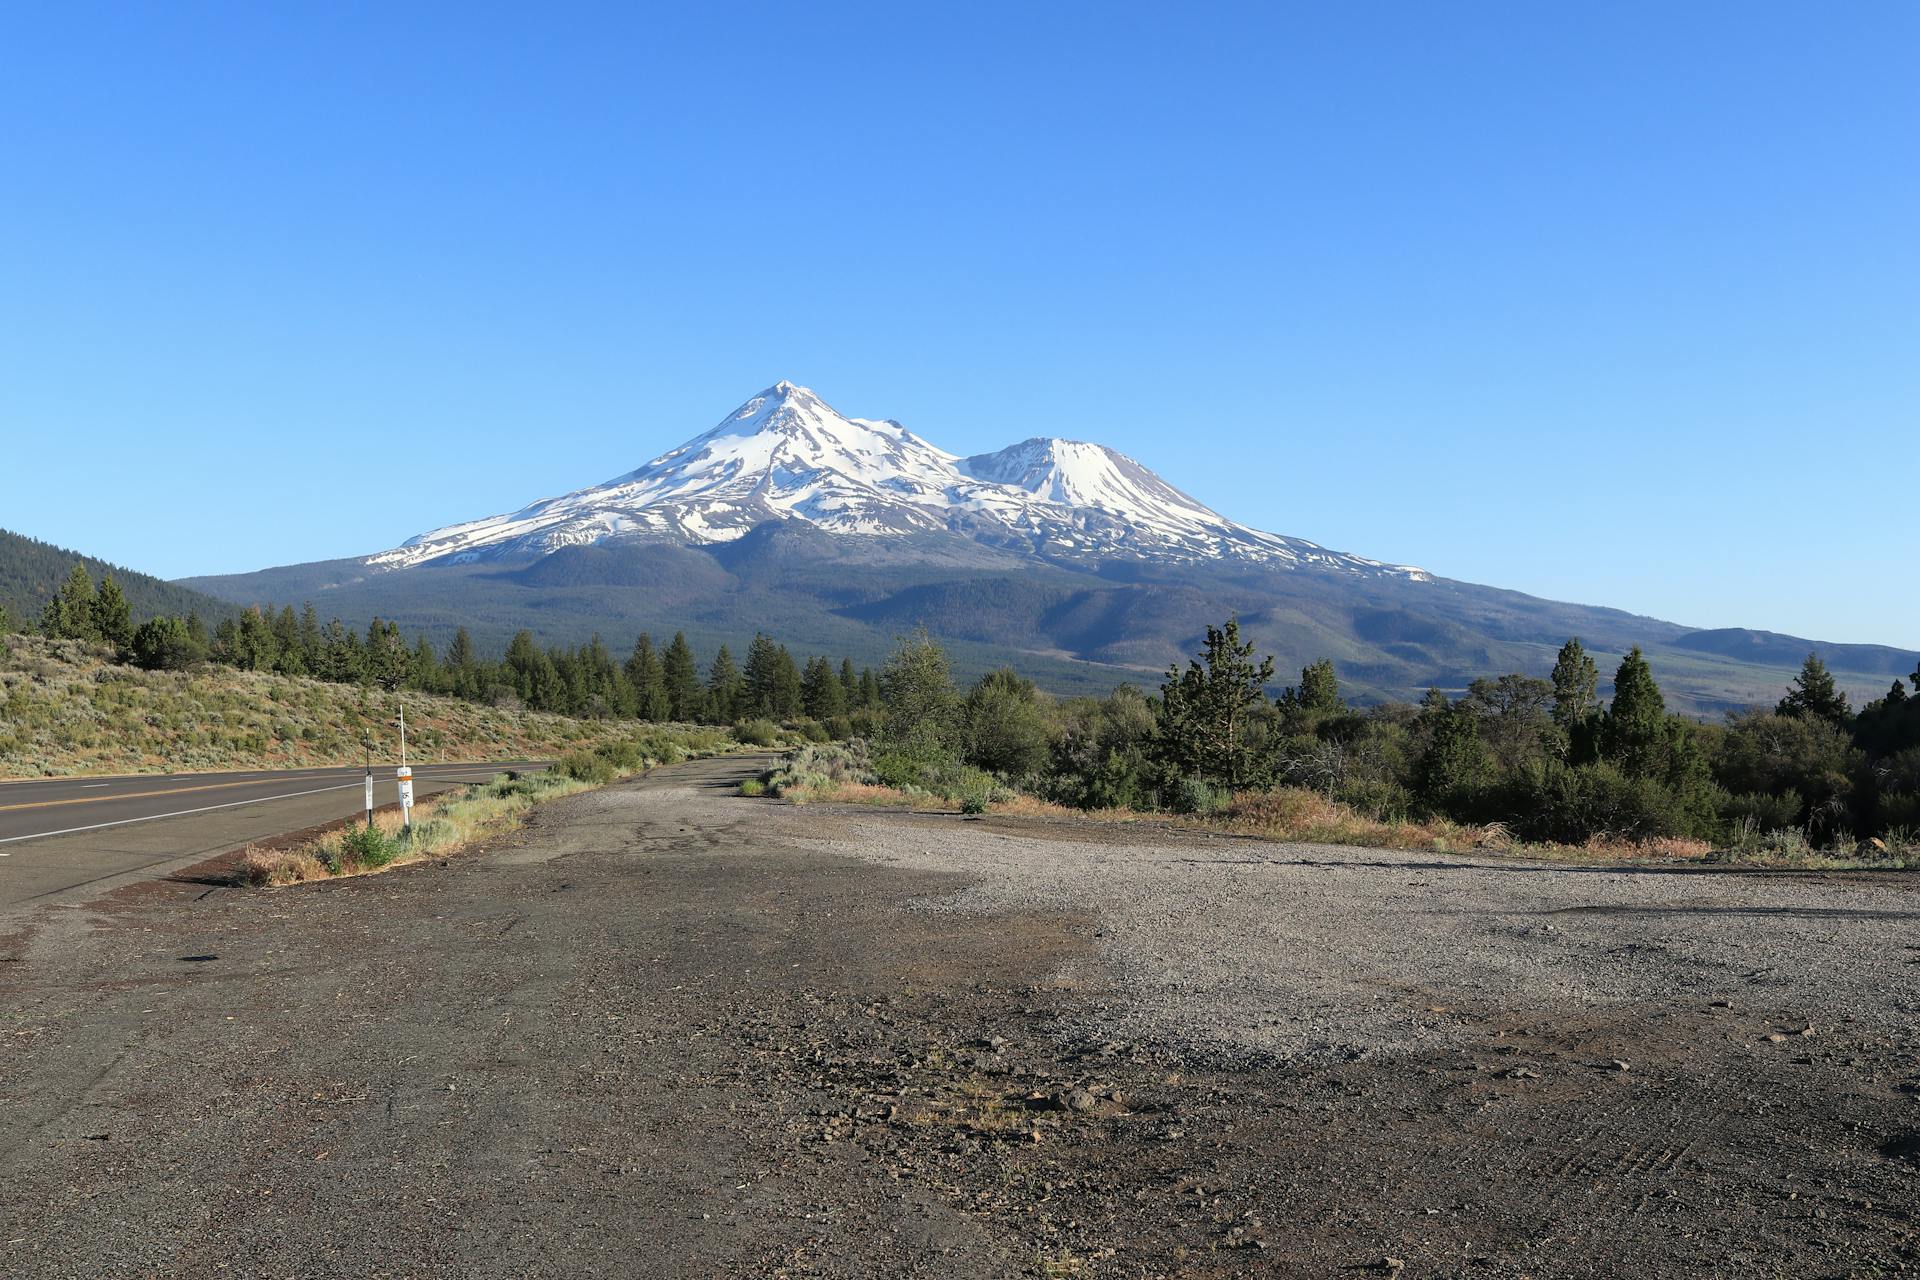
pixel 787 455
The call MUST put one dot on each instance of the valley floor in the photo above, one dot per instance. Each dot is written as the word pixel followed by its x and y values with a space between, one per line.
pixel 668 1031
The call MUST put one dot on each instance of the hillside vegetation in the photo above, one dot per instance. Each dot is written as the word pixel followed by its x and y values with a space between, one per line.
pixel 32 571
pixel 1515 760
pixel 67 707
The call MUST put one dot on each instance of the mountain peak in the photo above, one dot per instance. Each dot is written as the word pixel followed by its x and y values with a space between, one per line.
pixel 787 455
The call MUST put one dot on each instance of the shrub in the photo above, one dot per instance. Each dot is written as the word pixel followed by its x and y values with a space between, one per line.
pixel 1194 795
pixel 365 847
pixel 753 787
pixel 586 766
pixel 1762 812
pixel 757 733
pixel 1573 804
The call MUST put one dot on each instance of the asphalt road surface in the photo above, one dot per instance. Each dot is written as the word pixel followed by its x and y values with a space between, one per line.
pixel 665 1030
pixel 62 835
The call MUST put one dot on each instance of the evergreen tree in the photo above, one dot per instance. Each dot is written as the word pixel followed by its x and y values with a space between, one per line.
pixel 7 627
pixel 682 675
pixel 69 615
pixel 1205 711
pixel 164 644
pixel 1814 694
pixel 916 689
pixel 290 655
pixel 112 615
pixel 225 649
pixel 312 647
pixel 869 690
pixel 463 667
pixel 1633 733
pixel 648 677
pixel 822 695
pixel 388 662
pixel 426 674
pixel 786 684
pixel 724 688
pixel 253 646
pixel 342 660
pixel 1317 694
pixel 849 685
pixel 1576 700
pixel 1454 767
pixel 760 691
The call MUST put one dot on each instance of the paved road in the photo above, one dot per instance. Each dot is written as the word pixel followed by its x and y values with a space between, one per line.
pixel 63 834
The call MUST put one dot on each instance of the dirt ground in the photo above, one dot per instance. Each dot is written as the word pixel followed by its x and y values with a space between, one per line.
pixel 668 1031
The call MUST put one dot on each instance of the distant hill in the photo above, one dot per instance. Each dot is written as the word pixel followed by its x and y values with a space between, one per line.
pixel 31 571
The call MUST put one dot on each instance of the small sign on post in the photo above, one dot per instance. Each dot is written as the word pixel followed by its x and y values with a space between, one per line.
pixel 369 797
pixel 405 776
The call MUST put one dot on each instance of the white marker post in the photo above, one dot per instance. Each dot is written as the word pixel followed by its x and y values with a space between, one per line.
pixel 405 775
pixel 369 797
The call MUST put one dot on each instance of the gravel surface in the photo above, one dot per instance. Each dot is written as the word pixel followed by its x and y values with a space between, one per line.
pixel 1248 950
pixel 669 1031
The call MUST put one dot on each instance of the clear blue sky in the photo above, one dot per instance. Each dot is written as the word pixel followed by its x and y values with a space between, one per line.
pixel 1613 303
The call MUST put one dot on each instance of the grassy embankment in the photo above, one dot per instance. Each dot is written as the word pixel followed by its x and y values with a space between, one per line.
pixel 447 822
pixel 65 708
pixel 840 774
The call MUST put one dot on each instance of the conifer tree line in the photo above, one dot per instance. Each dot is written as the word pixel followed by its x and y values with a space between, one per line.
pixel 1551 759
pixel 650 682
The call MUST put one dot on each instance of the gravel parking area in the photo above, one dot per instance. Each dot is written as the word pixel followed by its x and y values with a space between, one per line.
pixel 1249 951
pixel 669 1031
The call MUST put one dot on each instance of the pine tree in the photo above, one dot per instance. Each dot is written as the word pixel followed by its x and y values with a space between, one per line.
pixel 869 689
pixel 724 688
pixel 112 615
pixel 1204 711
pixel 426 674
pixel 290 655
pixel 821 693
pixel 69 615
pixel 759 687
pixel 343 661
pixel 685 697
pixel 648 677
pixel 786 685
pixel 1814 695
pixel 1633 733
pixel 463 666
pixel 7 627
pixel 388 662
pixel 164 644
pixel 312 647
pixel 1454 767
pixel 849 685
pixel 1576 681
pixel 1317 694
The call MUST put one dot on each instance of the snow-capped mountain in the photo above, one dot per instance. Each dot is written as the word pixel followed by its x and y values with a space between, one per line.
pixel 787 455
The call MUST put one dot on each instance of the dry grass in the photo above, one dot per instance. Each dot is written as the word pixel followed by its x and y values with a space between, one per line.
pixel 442 824
pixel 1307 817
pixel 1289 815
